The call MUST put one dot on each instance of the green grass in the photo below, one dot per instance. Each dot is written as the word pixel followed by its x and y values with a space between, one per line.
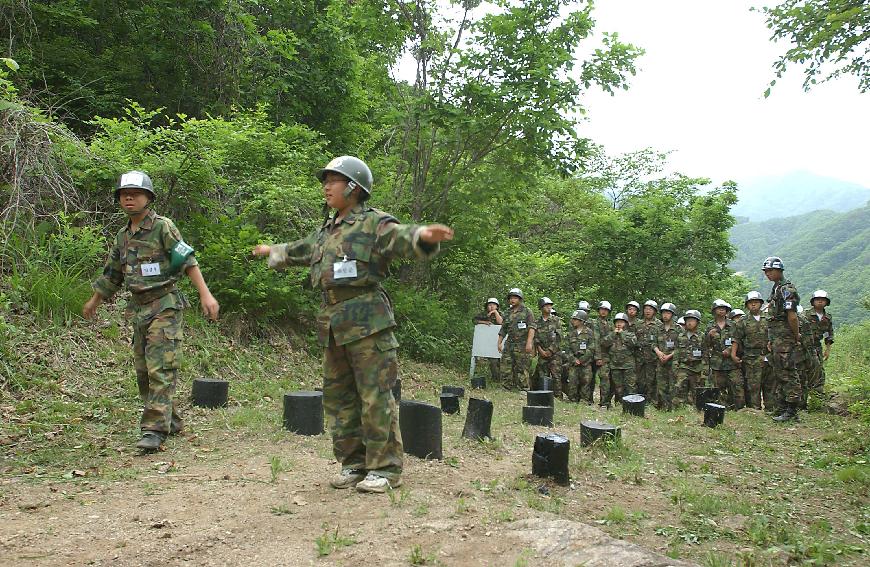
pixel 330 541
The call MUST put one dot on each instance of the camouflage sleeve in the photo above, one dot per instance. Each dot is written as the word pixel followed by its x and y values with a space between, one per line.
pixel 113 274
pixel 790 297
pixel 591 349
pixel 530 320
pixel 740 333
pixel 607 340
pixel 396 240
pixel 297 253
pixel 169 237
pixel 630 339
pixel 829 332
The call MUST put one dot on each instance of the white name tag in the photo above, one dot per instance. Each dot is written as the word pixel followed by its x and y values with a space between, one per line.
pixel 344 269
pixel 652 337
pixel 669 344
pixel 727 342
pixel 521 325
pixel 151 269
pixel 582 346
pixel 788 305
pixel 696 353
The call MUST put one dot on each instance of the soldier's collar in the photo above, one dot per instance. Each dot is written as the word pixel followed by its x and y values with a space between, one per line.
pixel 146 223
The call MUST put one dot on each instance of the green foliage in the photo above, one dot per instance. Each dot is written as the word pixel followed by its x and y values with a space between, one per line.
pixel 828 39
pixel 848 368
pixel 331 541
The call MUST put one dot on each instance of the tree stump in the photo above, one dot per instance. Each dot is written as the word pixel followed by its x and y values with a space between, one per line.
pixel 705 395
pixel 538 415
pixel 478 419
pixel 303 412
pixel 539 397
pixel 714 414
pixel 478 383
pixel 545 383
pixel 210 393
pixel 449 403
pixel 420 425
pixel 458 390
pixel 591 431
pixel 634 404
pixel 550 457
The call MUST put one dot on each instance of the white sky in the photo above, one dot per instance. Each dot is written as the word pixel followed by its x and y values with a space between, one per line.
pixel 699 92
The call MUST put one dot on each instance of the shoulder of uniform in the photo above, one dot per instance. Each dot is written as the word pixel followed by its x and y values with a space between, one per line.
pixel 380 215
pixel 160 220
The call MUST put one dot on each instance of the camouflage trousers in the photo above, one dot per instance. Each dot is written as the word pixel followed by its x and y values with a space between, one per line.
pixel 493 364
pixel 809 372
pixel 548 368
pixel 785 359
pixel 604 390
pixel 156 354
pixel 769 394
pixel 665 386
pixel 581 383
pixel 646 378
pixel 358 401
pixel 818 384
pixel 686 382
pixel 731 383
pixel 619 377
pixel 753 368
pixel 515 367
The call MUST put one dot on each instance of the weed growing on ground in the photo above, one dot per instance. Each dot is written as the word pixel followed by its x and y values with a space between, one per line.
pixel 330 541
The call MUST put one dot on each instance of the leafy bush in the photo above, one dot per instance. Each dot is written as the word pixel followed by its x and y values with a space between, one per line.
pixel 848 369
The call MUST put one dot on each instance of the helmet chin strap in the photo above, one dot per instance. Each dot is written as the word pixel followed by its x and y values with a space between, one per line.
pixel 348 191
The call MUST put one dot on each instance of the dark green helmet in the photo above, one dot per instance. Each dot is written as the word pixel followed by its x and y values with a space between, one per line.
pixel 135 180
pixel 351 167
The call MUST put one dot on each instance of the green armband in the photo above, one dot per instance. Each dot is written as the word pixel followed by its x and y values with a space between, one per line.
pixel 178 256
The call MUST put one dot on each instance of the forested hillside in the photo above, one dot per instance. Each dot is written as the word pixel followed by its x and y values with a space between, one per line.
pixel 796 193
pixel 821 250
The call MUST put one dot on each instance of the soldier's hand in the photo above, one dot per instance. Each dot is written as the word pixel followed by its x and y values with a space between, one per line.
pixel 726 353
pixel 89 310
pixel 261 250
pixel 826 354
pixel 435 233
pixel 599 363
pixel 499 347
pixel 529 349
pixel 769 346
pixel 210 306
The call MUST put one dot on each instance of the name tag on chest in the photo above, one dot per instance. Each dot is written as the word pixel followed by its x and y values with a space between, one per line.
pixel 150 269
pixel 521 325
pixel 344 269
pixel 728 342
pixel 652 338
pixel 669 344
pixel 696 353
pixel 582 346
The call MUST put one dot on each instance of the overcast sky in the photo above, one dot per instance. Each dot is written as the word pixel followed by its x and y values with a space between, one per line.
pixel 699 93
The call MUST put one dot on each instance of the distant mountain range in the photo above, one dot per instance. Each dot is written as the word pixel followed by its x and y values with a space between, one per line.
pixel 821 249
pixel 796 193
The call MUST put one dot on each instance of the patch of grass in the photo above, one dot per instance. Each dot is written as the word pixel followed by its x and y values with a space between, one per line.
pixel 330 541
pixel 421 510
pixel 854 474
pixel 277 466
pixel 420 557
pixel 462 507
pixel 398 497
pixel 281 510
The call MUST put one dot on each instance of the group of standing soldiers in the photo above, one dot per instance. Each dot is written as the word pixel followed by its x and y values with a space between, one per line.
pixel 772 355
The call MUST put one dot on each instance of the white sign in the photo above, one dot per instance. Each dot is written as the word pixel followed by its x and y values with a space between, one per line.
pixel 486 341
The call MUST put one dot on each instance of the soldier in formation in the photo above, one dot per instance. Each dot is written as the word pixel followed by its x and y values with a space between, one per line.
pixel 719 344
pixel 665 347
pixel 516 341
pixel 823 332
pixel 784 339
pixel 581 350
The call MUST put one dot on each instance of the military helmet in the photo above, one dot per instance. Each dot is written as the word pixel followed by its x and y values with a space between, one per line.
pixel 584 305
pixel 492 300
pixel 634 304
pixel 681 321
pixel 135 180
pixel 580 314
pixel 753 296
pixel 605 305
pixel 736 313
pixel 669 307
pixel 516 291
pixel 351 167
pixel 544 301
pixel 820 293
pixel 693 313
pixel 651 303
pixel 621 317
pixel 720 303
pixel 772 263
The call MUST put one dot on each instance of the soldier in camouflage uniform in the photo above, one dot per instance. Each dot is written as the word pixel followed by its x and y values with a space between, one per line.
pixel 489 316
pixel 548 344
pixel 784 338
pixel 664 349
pixel 809 366
pixel 600 328
pixel 580 352
pixel 349 257
pixel 620 343
pixel 516 341
pixel 148 258
pixel 719 341
pixel 691 359
pixel 632 308
pixel 647 336
pixel 751 338
pixel 823 330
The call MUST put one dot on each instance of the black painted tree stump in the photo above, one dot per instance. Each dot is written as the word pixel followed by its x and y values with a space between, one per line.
pixel 592 431
pixel 420 425
pixel 478 419
pixel 210 393
pixel 303 412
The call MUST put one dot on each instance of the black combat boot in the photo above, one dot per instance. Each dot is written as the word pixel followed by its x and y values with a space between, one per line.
pixel 790 413
pixel 151 441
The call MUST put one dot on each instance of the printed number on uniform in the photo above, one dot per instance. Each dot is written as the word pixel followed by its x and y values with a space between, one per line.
pixel 521 325
pixel 696 353
pixel 727 342
pixel 788 305
pixel 669 344
pixel 344 269
pixel 151 269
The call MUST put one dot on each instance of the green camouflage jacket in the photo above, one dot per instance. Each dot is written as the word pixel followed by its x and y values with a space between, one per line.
pixel 722 340
pixel 822 327
pixel 600 328
pixel 139 261
pixel 581 344
pixel 548 335
pixel 752 335
pixel 690 351
pixel 806 329
pixel 647 336
pixel 348 262
pixel 666 339
pixel 783 298
pixel 516 326
pixel 483 316
pixel 621 349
